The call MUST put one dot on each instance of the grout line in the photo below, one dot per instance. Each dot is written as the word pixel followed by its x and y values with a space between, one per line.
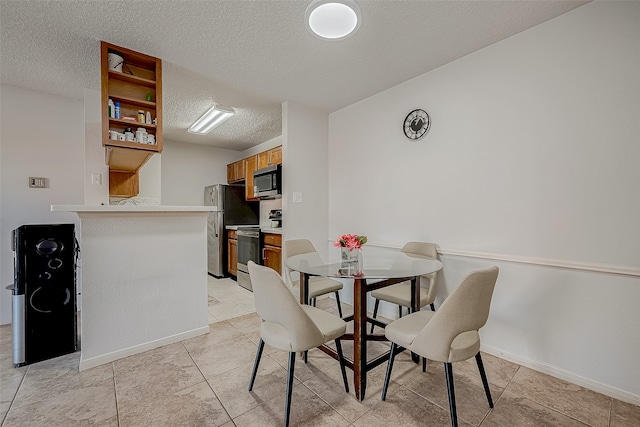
pixel 115 392
pixel 16 394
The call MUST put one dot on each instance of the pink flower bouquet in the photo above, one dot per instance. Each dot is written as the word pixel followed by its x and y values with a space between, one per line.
pixel 350 241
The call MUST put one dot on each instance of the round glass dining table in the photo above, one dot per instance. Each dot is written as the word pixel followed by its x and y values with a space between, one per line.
pixel 379 267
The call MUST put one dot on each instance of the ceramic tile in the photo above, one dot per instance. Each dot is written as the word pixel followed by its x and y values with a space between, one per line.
pixel 247 323
pixel 64 402
pixel 513 410
pixel 624 414
pixel 150 357
pixel 471 400
pixel 155 379
pixel 195 405
pixel 232 387
pixel 405 408
pixel 216 359
pixel 577 402
pixel 307 409
pixel 218 333
pixel 499 371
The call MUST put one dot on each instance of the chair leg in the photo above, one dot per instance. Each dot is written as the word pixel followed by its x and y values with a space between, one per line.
pixel 483 375
pixel 375 312
pixel 399 311
pixel 305 356
pixel 287 407
pixel 339 306
pixel 424 364
pixel 452 395
pixel 433 307
pixel 392 355
pixel 342 366
pixel 256 363
pixel 313 302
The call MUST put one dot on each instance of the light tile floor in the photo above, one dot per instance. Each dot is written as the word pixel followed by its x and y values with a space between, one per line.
pixel 203 382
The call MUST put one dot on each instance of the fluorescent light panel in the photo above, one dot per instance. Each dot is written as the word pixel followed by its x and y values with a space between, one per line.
pixel 214 117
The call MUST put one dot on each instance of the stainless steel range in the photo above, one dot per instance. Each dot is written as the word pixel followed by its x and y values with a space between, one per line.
pixel 248 250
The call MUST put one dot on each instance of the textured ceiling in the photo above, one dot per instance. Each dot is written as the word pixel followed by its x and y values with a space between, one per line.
pixel 250 55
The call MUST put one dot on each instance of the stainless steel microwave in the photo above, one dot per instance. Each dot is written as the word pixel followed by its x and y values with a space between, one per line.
pixel 267 182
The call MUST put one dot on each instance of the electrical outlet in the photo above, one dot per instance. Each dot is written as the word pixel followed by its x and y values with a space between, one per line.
pixel 96 178
pixel 37 182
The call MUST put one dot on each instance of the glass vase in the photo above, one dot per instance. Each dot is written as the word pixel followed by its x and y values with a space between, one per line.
pixel 351 261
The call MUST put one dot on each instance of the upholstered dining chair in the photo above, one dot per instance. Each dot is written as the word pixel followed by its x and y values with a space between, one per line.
pixel 317 285
pixel 400 294
pixel 449 334
pixel 290 326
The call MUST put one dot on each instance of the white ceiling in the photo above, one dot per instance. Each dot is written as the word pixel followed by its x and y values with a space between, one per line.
pixel 250 55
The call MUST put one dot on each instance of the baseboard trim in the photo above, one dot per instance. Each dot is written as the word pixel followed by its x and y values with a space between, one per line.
pixel 562 374
pixel 130 351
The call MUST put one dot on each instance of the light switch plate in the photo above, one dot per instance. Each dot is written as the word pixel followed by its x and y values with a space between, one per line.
pixel 297 197
pixel 96 178
pixel 38 182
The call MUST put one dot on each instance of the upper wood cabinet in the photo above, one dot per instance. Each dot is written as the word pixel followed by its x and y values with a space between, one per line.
pixel 137 88
pixel 249 168
pixel 235 171
pixel 270 157
pixel 242 170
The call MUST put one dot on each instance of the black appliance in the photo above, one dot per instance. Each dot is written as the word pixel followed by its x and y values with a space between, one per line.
pixel 44 292
pixel 229 207
pixel 267 182
pixel 248 250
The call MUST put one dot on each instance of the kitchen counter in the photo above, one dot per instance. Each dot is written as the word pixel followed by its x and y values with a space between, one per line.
pixel 235 227
pixel 271 230
pixel 128 208
pixel 139 263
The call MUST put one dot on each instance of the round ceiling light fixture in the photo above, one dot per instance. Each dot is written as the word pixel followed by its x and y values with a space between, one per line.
pixel 332 19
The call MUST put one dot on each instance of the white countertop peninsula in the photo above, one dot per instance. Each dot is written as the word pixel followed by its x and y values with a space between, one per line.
pixel 144 278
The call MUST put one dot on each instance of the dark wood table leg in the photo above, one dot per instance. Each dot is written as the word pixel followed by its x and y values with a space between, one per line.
pixel 304 289
pixel 360 337
pixel 415 306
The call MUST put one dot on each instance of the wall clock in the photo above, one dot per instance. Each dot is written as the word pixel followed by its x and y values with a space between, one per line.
pixel 416 124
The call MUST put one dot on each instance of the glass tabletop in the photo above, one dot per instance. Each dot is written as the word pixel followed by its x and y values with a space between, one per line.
pixel 378 263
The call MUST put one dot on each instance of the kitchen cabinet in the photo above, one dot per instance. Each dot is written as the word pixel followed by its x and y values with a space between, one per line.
pixel 232 252
pixel 137 87
pixel 235 172
pixel 249 168
pixel 272 251
pixel 270 157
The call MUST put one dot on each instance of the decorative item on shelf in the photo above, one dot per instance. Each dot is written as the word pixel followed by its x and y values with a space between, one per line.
pixel 351 253
pixel 141 117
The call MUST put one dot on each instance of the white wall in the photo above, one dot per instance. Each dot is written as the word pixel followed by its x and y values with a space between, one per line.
pixel 532 158
pixel 304 156
pixel 188 168
pixel 42 135
pixel 95 193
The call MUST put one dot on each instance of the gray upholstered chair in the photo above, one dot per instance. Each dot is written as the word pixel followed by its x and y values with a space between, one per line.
pixel 317 285
pixel 450 334
pixel 400 294
pixel 289 326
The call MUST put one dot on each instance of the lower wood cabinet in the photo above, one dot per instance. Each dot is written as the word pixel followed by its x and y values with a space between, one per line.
pixel 232 251
pixel 272 251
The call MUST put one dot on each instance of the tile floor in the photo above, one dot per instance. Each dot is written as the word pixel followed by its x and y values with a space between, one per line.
pixel 203 382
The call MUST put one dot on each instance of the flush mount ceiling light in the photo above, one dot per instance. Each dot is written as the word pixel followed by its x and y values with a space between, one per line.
pixel 213 118
pixel 332 19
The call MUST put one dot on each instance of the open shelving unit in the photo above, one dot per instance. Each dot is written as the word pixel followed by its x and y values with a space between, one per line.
pixel 137 87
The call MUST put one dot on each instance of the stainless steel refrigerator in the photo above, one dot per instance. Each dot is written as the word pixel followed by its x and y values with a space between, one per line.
pixel 230 208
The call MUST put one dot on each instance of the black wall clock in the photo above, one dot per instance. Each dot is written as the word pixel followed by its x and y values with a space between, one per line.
pixel 416 124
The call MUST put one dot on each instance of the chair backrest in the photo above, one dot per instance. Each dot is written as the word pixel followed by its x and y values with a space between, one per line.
pixel 292 248
pixel 466 309
pixel 276 304
pixel 427 250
